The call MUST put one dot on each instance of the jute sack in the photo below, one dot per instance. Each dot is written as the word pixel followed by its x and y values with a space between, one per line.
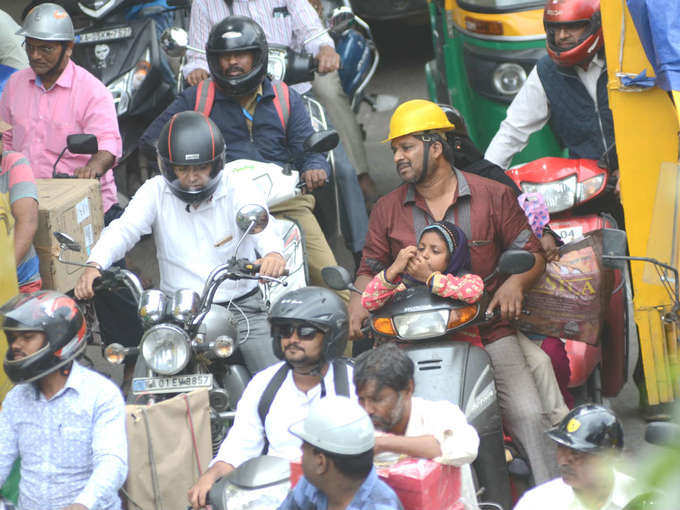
pixel 169 447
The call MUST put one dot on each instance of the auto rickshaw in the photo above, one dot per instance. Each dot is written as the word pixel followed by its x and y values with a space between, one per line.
pixel 484 50
pixel 8 289
pixel 646 125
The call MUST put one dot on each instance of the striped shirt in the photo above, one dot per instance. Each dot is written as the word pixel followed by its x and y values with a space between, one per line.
pixel 286 22
pixel 16 177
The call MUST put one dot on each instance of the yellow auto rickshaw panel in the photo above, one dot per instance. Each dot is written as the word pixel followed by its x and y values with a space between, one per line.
pixel 521 25
pixel 8 276
pixel 645 127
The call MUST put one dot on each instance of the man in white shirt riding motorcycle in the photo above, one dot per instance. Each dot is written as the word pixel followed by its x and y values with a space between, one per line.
pixel 191 211
pixel 309 329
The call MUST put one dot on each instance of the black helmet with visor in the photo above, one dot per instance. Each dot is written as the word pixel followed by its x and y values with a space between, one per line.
pixel 237 34
pixel 191 139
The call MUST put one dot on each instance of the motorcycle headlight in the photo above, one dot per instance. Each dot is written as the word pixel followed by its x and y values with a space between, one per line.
pixel 166 349
pixel 590 187
pixel 417 325
pixel 264 498
pixel 123 88
pixel 508 78
pixel 559 195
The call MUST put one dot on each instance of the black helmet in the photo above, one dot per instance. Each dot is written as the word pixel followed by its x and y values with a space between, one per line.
pixel 316 306
pixel 237 33
pixel 589 428
pixel 190 138
pixel 58 317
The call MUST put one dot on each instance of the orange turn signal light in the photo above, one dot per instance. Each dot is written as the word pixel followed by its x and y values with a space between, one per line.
pixel 460 316
pixel 384 326
pixel 480 26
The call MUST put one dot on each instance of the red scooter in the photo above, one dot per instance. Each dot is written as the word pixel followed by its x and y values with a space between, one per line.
pixel 580 197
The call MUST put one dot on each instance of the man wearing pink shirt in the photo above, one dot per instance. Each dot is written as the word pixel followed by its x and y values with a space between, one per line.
pixel 54 98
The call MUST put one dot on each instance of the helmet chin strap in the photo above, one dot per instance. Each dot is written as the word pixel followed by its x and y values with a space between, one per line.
pixel 427 143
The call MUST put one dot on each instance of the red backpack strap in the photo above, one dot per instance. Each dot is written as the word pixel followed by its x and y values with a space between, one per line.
pixel 205 97
pixel 282 107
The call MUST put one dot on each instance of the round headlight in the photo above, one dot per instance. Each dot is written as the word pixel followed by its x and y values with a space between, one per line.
pixel 508 78
pixel 166 349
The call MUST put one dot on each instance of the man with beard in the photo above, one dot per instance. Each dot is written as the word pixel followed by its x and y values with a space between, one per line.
pixel 309 332
pixel 54 98
pixel 493 222
pixel 65 422
pixel 248 108
pixel 589 439
pixel 410 425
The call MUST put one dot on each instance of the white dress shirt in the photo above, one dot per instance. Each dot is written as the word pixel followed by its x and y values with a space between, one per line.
pixel 290 405
pixel 529 112
pixel 457 439
pixel 12 53
pixel 291 29
pixel 185 237
pixel 557 495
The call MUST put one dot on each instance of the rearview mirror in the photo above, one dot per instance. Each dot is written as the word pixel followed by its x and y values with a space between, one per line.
pixel 82 144
pixel 322 141
pixel 66 241
pixel 516 262
pixel 174 41
pixel 341 19
pixel 613 246
pixel 663 434
pixel 252 219
pixel 336 277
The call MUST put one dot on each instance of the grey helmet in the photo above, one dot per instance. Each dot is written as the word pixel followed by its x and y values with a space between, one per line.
pixel 316 306
pixel 48 22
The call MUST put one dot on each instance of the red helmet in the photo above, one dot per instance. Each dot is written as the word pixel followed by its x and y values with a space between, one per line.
pixel 59 318
pixel 573 12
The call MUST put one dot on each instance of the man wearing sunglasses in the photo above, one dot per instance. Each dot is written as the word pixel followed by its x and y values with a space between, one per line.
pixel 309 334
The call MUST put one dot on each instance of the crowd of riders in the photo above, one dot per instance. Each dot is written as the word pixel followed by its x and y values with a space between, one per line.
pixel 444 227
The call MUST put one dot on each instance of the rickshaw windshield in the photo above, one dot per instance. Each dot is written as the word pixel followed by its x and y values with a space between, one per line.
pixel 499 6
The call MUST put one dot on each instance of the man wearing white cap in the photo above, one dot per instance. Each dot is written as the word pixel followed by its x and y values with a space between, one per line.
pixel 337 460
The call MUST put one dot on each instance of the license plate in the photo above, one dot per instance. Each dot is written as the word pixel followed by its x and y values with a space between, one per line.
pixel 570 234
pixel 174 384
pixel 105 35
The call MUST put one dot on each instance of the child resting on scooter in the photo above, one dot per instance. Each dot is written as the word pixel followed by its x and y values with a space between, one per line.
pixel 439 261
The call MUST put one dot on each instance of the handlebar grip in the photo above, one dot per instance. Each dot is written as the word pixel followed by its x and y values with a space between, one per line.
pixel 255 268
pixel 97 284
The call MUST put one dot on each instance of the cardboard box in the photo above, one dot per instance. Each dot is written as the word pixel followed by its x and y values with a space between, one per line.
pixel 74 207
pixel 419 483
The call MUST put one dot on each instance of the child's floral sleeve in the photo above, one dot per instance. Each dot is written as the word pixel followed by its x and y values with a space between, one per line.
pixel 466 288
pixel 379 291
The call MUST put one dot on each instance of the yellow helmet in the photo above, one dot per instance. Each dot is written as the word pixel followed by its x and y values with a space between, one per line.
pixel 416 116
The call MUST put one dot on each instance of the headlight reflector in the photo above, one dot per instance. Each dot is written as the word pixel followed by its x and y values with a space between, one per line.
pixel 166 349
pixel 417 325
pixel 508 78
pixel 559 195
pixel 123 88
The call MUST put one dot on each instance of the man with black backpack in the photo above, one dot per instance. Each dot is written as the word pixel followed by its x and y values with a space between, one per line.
pixel 309 334
pixel 260 119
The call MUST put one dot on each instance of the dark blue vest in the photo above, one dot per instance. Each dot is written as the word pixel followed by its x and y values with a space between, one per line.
pixel 585 129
